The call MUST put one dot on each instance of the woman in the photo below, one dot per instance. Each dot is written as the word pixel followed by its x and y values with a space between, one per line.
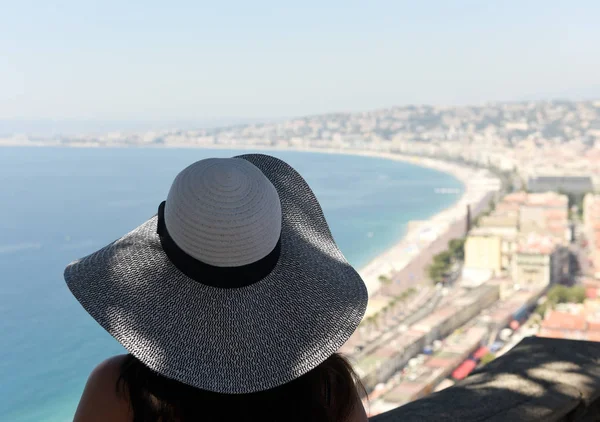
pixel 232 302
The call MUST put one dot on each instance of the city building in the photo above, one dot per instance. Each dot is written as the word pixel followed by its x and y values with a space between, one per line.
pixel 573 321
pixel 545 213
pixel 483 256
pixel 591 224
pixel 540 261
pixel 502 221
pixel 569 184
pixel 490 248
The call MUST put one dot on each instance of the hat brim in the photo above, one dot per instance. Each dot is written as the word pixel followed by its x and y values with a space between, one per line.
pixel 233 341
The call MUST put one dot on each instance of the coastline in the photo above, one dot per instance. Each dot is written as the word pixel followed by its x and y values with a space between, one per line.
pixel 419 241
pixel 409 256
pixel 422 239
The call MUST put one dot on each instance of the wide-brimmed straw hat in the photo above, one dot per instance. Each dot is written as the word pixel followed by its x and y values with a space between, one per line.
pixel 235 286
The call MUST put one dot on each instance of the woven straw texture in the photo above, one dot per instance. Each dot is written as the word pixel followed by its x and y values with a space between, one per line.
pixel 234 341
pixel 224 212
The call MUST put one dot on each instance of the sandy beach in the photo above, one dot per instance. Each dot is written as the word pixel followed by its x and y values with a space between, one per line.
pixel 423 239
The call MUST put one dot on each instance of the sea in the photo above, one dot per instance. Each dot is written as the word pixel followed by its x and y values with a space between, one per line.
pixel 59 204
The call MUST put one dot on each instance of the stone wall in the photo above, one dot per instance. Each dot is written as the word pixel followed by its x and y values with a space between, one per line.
pixel 541 379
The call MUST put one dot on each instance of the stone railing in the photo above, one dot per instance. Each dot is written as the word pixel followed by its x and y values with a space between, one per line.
pixel 541 379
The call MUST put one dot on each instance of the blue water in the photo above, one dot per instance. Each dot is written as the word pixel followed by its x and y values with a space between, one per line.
pixel 60 204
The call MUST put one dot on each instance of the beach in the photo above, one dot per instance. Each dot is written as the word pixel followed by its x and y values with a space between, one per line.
pixel 408 259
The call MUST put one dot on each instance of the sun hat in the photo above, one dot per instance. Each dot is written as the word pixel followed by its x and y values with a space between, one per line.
pixel 235 286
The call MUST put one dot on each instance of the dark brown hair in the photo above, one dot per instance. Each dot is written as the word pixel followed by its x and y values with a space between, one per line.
pixel 328 393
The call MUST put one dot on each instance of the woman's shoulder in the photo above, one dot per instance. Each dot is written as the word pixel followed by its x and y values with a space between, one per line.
pixel 100 400
pixel 108 368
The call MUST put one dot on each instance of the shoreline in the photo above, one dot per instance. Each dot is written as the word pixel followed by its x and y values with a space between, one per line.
pixel 420 236
pixel 413 251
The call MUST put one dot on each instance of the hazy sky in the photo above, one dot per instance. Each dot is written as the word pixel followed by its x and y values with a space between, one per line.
pixel 160 60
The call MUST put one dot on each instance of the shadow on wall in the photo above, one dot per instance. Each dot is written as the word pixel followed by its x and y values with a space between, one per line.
pixel 541 379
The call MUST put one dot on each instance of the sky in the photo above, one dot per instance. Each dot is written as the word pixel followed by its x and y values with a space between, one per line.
pixel 140 61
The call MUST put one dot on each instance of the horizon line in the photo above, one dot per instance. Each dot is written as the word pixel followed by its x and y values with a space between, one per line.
pixel 215 122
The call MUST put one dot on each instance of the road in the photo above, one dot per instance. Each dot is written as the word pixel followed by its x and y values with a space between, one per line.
pixel 387 336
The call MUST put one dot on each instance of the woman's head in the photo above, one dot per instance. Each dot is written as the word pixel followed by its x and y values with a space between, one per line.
pixel 330 392
pixel 235 287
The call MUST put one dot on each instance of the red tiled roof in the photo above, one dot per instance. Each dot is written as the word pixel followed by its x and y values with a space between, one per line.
pixel 593 336
pixel 551 333
pixel 564 321
pixel 594 326
pixel 518 197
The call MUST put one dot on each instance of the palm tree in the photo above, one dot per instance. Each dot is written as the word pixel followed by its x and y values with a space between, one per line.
pixel 392 306
pixel 370 323
pixel 385 315
pixel 396 306
pixel 376 321
pixel 384 280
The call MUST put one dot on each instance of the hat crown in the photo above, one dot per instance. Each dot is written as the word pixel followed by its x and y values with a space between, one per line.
pixel 224 212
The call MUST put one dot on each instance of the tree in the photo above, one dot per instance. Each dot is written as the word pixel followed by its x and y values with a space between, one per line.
pixel 440 266
pixel 436 271
pixel 385 280
pixel 376 321
pixel 372 324
pixel 385 313
pixel 394 306
pixel 457 248
pixel 444 258
pixel 557 294
pixel 564 294
pixel 402 296
pixel 541 309
pixel 576 294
